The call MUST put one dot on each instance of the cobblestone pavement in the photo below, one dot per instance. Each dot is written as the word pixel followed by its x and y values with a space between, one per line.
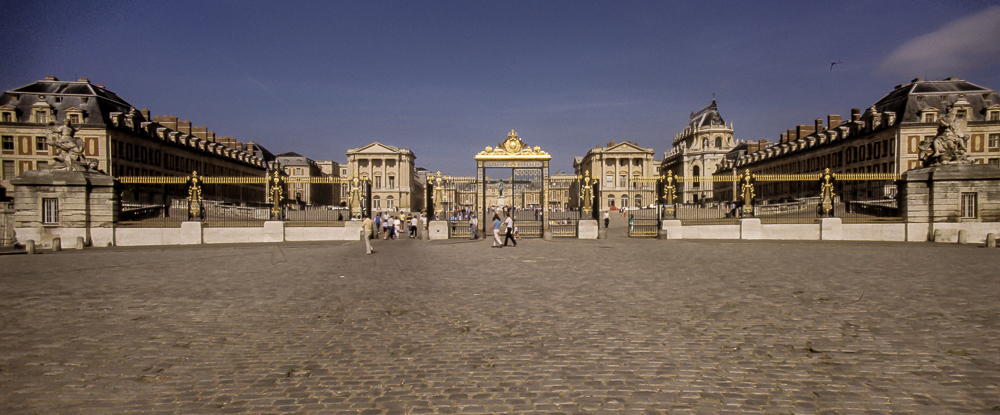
pixel 612 326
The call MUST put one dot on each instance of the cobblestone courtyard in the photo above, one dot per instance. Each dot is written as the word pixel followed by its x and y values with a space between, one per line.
pixel 609 326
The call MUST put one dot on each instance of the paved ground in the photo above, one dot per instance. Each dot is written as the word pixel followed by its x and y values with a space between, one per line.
pixel 610 326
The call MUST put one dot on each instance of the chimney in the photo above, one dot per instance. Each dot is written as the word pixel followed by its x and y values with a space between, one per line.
pixel 83 80
pixel 184 127
pixel 792 136
pixel 784 138
pixel 145 113
pixel 803 130
pixel 200 132
pixel 819 124
pixel 100 86
pixel 168 121
pixel 833 120
pixel 856 112
pixel 51 78
pixel 210 136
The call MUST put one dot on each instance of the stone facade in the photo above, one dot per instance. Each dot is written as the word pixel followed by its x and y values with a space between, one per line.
pixel 125 141
pixel 395 185
pixel 886 138
pixel 300 191
pixel 617 166
pixel 697 150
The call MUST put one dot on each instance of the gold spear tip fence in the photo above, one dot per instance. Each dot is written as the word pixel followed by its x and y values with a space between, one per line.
pixel 167 201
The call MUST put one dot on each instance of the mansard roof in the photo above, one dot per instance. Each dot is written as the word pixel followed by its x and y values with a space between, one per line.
pixel 706 117
pixel 907 100
pixel 95 101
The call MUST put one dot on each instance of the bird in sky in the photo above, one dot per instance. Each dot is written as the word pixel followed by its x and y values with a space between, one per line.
pixel 834 63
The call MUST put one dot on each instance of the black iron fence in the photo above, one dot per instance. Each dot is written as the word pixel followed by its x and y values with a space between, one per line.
pixel 6 224
pixel 564 223
pixel 529 222
pixel 787 198
pixel 167 201
pixel 644 222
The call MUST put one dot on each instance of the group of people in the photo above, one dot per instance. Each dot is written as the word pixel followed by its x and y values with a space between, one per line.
pixel 508 225
pixel 388 227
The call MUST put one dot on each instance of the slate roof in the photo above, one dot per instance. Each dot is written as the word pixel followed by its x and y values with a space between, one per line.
pixel 61 95
pixel 707 116
pixel 907 100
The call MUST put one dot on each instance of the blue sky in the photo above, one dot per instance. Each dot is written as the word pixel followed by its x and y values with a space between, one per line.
pixel 445 79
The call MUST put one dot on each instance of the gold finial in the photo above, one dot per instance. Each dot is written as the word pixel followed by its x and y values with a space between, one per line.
pixel 512 135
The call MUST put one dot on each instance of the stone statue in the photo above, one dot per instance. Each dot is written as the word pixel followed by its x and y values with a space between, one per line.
pixel 69 149
pixel 500 188
pixel 950 144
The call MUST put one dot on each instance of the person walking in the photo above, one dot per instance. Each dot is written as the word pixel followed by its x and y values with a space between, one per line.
pixel 473 224
pixel 367 226
pixel 496 231
pixel 509 225
pixel 607 218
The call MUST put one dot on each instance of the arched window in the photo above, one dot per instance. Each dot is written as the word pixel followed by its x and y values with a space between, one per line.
pixel 696 173
pixel 376 203
pixel 389 202
pixel 638 201
pixel 611 201
pixel 718 142
pixel 624 201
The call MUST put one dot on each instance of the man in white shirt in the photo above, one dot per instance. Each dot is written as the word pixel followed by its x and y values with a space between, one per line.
pixel 509 224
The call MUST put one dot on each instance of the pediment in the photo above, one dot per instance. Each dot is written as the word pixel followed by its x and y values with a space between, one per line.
pixel 376 148
pixel 626 147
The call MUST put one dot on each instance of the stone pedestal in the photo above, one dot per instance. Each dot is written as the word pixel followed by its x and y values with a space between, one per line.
pixel 437 229
pixel 751 229
pixel 86 205
pixel 671 229
pixel 934 194
pixel 587 229
pixel 931 200
pixel 831 229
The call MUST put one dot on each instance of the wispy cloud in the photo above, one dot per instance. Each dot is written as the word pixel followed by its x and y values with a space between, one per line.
pixel 968 43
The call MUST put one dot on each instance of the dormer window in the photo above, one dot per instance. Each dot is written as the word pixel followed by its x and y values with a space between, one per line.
pixel 74 118
pixel 7 114
pixel 993 116
pixel 930 117
pixel 41 112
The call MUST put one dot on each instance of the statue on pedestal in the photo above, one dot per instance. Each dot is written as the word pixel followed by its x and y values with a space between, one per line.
pixel 950 144
pixel 69 149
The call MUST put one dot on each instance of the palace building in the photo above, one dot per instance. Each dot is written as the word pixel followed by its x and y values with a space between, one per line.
pixel 619 167
pixel 302 192
pixel 697 150
pixel 885 138
pixel 123 140
pixel 395 184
